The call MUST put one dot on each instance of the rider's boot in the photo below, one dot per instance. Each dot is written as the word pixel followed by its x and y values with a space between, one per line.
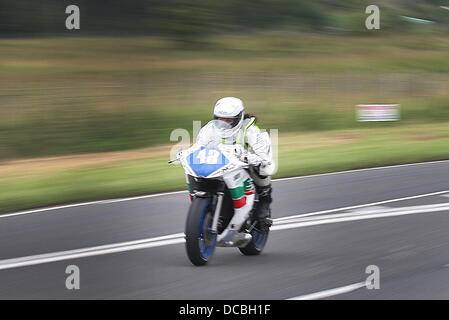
pixel 263 210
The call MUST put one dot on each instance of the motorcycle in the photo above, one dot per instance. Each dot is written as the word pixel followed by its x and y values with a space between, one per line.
pixel 214 219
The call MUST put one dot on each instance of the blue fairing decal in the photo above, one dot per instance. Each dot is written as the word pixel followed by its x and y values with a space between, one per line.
pixel 206 161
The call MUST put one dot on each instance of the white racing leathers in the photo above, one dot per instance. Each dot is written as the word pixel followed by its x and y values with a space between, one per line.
pixel 257 143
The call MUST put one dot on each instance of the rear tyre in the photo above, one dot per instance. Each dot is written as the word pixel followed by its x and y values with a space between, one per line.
pixel 200 242
pixel 257 243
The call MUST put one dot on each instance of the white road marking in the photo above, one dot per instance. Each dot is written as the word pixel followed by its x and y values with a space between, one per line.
pixel 353 217
pixel 92 251
pixel 362 205
pixel 143 197
pixel 89 203
pixel 360 170
pixel 370 209
pixel 331 292
pixel 179 237
pixel 356 213
pixel 185 191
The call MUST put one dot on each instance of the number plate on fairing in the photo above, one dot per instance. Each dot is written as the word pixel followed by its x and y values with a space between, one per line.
pixel 206 161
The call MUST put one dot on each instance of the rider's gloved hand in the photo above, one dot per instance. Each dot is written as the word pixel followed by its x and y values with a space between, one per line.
pixel 239 151
pixel 252 159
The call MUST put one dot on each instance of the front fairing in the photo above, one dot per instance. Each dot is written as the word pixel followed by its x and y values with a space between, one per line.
pixel 211 162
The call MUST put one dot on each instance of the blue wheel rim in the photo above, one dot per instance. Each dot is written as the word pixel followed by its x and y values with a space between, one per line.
pixel 259 239
pixel 207 242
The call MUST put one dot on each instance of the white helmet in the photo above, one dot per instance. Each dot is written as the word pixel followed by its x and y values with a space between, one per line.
pixel 228 108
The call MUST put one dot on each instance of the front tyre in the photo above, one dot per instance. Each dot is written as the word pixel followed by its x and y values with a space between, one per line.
pixel 200 242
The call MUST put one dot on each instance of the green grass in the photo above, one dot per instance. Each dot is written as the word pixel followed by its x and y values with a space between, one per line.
pixel 299 154
pixel 103 94
pixel 66 96
pixel 375 148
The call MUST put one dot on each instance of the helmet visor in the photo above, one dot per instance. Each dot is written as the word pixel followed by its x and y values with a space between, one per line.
pixel 223 128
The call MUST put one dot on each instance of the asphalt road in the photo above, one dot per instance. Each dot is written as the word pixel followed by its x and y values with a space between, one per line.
pixel 394 218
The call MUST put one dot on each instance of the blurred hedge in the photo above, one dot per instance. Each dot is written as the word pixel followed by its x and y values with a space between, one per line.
pixel 185 19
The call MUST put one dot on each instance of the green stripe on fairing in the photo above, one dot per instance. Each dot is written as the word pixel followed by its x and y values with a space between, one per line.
pixel 237 193
pixel 248 184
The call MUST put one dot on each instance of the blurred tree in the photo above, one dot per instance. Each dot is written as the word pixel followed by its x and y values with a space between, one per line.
pixel 304 13
pixel 184 20
pixel 187 20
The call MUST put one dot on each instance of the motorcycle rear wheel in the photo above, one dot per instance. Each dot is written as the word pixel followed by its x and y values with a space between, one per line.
pixel 257 243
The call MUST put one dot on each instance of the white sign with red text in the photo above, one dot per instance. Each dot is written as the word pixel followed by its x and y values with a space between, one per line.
pixel 378 112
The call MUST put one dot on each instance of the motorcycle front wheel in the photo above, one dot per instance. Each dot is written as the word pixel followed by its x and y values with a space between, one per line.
pixel 200 242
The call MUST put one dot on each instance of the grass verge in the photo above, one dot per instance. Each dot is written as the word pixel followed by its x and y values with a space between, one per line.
pixel 41 182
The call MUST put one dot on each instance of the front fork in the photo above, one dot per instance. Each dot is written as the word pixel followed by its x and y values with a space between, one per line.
pixel 217 199
pixel 217 212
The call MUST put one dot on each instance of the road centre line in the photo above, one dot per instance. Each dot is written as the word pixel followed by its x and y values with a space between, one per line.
pixel 179 237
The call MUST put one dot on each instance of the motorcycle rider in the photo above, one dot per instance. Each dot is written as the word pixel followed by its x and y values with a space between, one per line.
pixel 241 129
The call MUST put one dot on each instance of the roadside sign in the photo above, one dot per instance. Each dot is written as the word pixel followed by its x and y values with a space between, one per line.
pixel 378 112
